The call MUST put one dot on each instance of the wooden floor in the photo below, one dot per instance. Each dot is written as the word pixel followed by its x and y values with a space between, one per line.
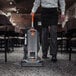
pixel 63 67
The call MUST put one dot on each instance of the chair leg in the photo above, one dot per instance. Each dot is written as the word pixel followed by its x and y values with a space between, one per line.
pixel 70 54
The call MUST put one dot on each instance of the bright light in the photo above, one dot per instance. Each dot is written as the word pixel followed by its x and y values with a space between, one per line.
pixel 8 14
pixel 11 3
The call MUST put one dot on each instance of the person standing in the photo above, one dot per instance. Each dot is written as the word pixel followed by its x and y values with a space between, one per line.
pixel 49 19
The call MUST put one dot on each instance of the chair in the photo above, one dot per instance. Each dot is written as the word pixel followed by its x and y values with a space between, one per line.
pixel 60 37
pixel 71 41
pixel 71 35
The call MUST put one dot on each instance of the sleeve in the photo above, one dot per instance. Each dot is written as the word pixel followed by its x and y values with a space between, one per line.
pixel 62 6
pixel 35 5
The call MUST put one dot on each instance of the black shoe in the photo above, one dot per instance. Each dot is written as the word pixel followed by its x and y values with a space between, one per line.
pixel 54 58
pixel 45 57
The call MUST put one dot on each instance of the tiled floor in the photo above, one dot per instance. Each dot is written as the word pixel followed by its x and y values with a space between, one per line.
pixel 63 67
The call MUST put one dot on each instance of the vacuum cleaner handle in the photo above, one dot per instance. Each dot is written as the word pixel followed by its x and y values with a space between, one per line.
pixel 33 20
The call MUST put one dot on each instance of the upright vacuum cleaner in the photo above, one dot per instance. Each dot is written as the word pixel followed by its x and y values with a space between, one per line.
pixel 31 46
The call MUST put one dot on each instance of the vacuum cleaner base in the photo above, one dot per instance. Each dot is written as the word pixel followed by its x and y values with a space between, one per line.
pixel 31 62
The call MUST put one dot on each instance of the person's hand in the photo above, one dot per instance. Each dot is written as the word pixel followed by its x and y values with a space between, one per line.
pixel 32 14
pixel 62 18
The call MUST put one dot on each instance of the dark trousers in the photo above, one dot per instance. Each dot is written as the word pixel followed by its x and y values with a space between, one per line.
pixel 49 17
pixel 49 40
